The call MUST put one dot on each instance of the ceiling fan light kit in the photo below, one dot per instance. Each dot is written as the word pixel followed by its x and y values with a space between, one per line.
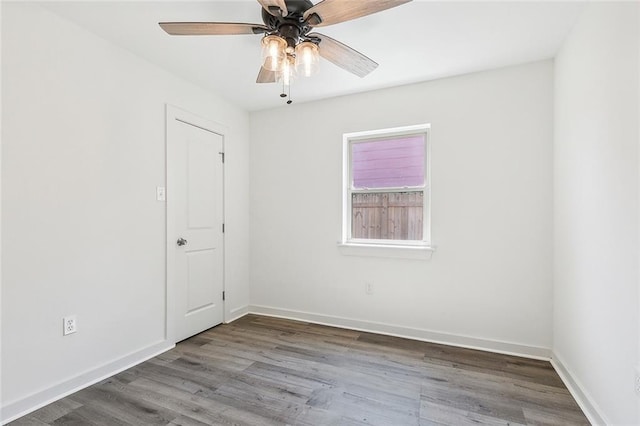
pixel 289 47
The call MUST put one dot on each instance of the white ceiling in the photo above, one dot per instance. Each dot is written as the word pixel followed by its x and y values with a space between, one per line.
pixel 418 41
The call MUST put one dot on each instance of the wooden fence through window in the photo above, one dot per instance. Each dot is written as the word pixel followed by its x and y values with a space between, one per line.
pixel 387 215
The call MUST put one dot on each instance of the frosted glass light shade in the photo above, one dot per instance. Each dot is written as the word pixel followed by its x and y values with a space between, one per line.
pixel 307 58
pixel 273 52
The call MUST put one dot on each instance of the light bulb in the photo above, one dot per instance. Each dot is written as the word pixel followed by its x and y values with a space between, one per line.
pixel 273 52
pixel 307 58
pixel 288 70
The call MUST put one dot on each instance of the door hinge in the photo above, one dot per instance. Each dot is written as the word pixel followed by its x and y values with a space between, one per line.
pixel 222 156
pixel 223 228
pixel 223 296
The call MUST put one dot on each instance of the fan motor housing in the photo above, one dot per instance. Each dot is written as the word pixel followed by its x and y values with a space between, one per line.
pixel 290 32
pixel 295 10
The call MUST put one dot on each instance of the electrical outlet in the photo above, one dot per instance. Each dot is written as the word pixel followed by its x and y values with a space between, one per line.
pixel 368 288
pixel 637 382
pixel 69 325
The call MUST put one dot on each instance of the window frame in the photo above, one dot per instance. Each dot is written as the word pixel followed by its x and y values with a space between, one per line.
pixel 348 139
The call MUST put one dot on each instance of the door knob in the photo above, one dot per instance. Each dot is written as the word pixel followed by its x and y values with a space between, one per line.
pixel 182 242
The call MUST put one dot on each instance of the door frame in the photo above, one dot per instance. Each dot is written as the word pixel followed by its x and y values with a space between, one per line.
pixel 173 116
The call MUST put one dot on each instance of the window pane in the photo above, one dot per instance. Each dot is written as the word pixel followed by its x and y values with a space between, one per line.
pixel 387 215
pixel 388 163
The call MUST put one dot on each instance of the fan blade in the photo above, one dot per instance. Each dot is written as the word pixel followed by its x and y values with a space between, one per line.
pixel 344 56
pixel 272 7
pixel 266 76
pixel 329 12
pixel 211 28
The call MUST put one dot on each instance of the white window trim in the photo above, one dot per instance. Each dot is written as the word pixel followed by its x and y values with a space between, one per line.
pixel 385 248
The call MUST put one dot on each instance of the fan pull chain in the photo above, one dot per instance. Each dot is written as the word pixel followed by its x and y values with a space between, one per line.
pixel 288 94
pixel 283 95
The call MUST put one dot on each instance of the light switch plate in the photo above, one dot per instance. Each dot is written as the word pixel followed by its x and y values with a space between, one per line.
pixel 161 194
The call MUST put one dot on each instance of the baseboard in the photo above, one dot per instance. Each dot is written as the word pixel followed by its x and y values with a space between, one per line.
pixel 18 408
pixel 586 403
pixel 469 342
pixel 237 313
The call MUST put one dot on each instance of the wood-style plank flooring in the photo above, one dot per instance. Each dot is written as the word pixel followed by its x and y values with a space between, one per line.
pixel 267 371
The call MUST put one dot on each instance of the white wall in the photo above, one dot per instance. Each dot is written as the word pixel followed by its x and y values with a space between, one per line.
pixel 596 210
pixel 83 149
pixel 1 397
pixel 490 278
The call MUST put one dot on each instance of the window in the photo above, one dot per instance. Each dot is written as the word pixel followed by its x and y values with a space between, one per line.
pixel 386 187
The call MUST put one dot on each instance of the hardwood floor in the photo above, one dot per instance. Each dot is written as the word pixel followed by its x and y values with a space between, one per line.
pixel 268 371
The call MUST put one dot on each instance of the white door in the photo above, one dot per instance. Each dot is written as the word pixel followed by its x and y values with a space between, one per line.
pixel 195 196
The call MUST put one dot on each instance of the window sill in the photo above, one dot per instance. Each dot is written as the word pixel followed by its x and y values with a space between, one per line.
pixel 387 250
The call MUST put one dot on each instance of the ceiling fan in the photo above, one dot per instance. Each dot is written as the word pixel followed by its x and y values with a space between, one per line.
pixel 289 45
